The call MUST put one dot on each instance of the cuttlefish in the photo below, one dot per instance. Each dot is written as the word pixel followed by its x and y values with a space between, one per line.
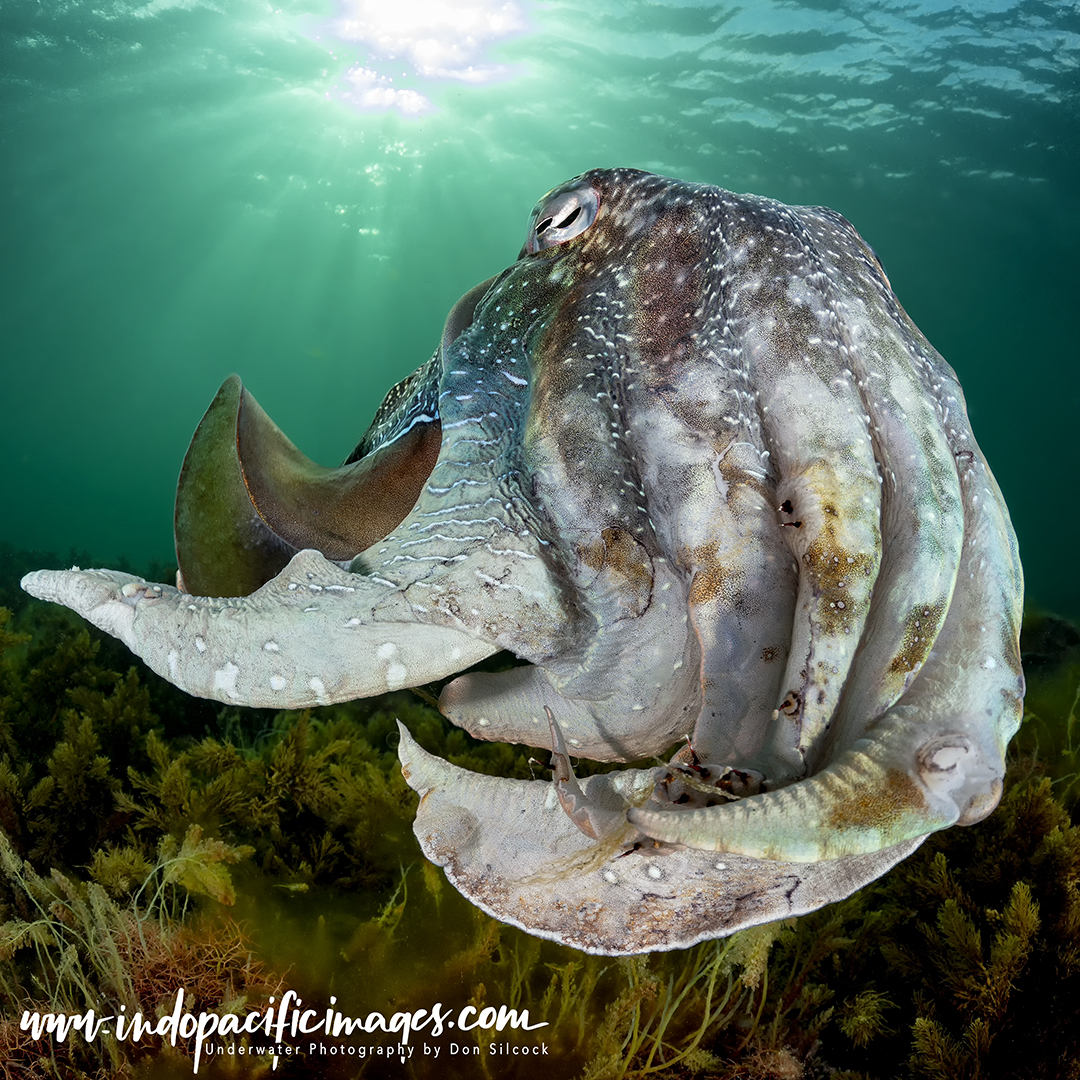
pixel 690 461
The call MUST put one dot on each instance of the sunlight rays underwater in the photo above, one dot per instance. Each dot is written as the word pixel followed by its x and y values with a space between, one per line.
pixel 193 191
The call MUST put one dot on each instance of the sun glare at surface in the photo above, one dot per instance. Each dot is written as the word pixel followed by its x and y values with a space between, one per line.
pixel 432 39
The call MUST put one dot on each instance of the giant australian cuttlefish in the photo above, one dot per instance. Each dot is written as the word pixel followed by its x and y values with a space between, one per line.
pixel 689 460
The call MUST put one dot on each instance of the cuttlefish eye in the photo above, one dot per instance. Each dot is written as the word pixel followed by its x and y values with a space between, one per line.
pixel 562 216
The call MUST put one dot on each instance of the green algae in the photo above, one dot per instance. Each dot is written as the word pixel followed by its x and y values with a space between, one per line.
pixel 151 842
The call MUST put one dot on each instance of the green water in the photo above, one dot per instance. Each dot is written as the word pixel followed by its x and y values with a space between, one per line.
pixel 300 192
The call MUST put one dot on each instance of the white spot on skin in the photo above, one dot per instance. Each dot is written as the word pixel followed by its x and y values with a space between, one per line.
pixel 277 682
pixel 989 664
pixel 387 651
pixel 200 644
pixel 396 675
pixel 225 679
pixel 609 877
pixel 174 658
pixel 655 872
pixel 318 688
pixel 272 646
pixel 721 866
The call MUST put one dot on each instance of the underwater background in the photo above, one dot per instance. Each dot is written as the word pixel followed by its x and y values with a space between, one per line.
pixel 299 192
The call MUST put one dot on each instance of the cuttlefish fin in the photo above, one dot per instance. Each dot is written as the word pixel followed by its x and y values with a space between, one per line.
pixel 341 511
pixel 223 547
pixel 248 499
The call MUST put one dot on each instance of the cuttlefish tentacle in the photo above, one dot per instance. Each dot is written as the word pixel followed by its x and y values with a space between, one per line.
pixel 649 705
pixel 873 796
pixel 707 479
pixel 594 820
pixel 828 491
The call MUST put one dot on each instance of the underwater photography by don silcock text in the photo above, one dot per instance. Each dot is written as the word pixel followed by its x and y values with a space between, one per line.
pixel 654 689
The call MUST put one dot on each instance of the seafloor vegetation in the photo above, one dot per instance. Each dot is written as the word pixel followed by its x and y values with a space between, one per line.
pixel 149 841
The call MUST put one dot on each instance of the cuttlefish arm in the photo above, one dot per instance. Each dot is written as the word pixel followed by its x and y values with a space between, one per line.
pixel 248 499
pixel 312 635
pixel 935 759
pixel 513 850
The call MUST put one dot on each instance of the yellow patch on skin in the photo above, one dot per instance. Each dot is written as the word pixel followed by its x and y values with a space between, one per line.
pixel 878 807
pixel 735 475
pixel 920 631
pixel 592 555
pixel 712 579
pixel 829 513
pixel 618 553
pixel 836 575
